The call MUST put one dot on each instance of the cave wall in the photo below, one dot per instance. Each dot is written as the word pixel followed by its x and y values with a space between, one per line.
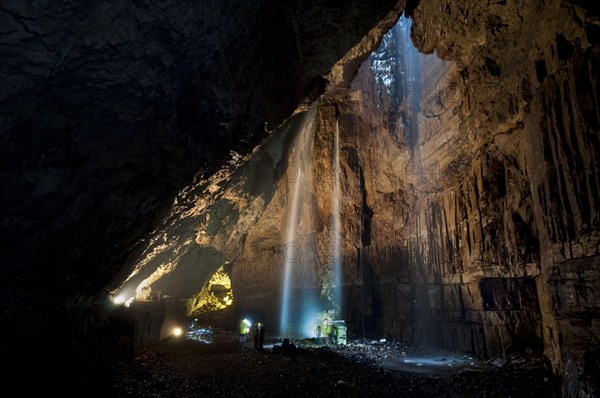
pixel 534 132
pixel 109 108
pixel 459 229
pixel 238 214
pixel 480 233
pixel 496 249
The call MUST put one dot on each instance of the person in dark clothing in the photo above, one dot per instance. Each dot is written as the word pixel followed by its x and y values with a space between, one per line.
pixel 334 335
pixel 256 333
pixel 318 333
pixel 261 337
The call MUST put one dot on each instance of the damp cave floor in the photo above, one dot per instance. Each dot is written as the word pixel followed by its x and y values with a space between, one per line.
pixel 227 368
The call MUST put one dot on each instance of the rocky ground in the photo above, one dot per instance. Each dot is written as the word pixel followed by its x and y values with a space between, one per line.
pixel 187 368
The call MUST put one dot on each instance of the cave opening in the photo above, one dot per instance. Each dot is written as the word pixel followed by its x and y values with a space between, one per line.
pixel 404 89
pixel 397 65
pixel 216 295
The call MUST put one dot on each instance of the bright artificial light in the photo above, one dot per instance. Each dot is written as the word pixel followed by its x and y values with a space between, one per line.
pixel 177 332
pixel 122 299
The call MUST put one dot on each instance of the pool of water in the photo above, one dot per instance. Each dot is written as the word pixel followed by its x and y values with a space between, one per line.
pixel 430 364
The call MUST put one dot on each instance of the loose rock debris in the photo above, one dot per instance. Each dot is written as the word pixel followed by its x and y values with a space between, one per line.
pixel 227 368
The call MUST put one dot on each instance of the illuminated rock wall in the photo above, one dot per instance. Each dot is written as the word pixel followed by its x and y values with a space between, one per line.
pixel 489 240
pixel 479 230
pixel 476 231
pixel 109 108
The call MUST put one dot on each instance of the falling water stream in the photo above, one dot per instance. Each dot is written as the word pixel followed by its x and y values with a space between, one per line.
pixel 297 179
pixel 300 308
pixel 336 277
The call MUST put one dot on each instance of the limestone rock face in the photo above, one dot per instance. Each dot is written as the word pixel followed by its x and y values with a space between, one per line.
pixel 475 229
pixel 469 214
pixel 128 101
pixel 520 200
pixel 109 108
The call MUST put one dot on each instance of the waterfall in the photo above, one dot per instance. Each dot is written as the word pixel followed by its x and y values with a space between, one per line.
pixel 336 277
pixel 299 166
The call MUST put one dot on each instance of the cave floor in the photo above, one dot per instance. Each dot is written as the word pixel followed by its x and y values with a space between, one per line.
pixel 187 368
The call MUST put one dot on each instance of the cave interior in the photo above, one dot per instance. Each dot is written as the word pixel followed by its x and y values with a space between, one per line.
pixel 424 170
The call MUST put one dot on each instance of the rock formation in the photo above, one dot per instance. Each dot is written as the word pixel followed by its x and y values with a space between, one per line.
pixel 467 229
pixel 108 109
pixel 469 192
pixel 526 189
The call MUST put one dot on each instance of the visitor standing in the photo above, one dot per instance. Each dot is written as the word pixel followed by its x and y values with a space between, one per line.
pixel 256 333
pixel 261 336
pixel 319 331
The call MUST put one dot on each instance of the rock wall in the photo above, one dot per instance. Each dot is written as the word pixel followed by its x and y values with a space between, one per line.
pixel 108 108
pixel 94 93
pixel 547 129
pixel 471 231
pixel 475 229
pixel 498 251
pixel 459 229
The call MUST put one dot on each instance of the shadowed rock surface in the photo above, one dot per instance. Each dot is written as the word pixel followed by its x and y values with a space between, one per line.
pixel 469 192
pixel 108 108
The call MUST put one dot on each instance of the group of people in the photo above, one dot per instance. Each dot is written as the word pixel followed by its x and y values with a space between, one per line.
pixel 259 333
pixel 324 335
pixel 330 336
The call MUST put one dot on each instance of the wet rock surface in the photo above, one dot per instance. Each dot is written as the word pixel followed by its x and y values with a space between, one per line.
pixel 179 367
